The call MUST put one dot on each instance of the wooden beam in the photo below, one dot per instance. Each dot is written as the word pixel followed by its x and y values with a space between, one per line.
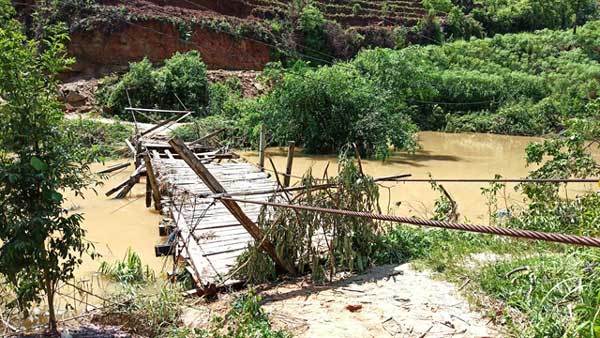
pixel 290 162
pixel 208 136
pixel 357 154
pixel 151 177
pixel 136 174
pixel 114 168
pixel 211 182
pixel 164 123
pixel 131 147
pixel 159 110
pixel 148 193
pixel 262 145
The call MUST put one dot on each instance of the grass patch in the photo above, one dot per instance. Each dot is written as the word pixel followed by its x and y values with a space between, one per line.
pixel 103 138
pixel 129 270
pixel 560 294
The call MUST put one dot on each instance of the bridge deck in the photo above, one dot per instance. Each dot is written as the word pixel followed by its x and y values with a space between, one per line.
pixel 209 237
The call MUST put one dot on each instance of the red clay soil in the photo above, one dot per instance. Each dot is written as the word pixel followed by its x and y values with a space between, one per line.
pixel 155 33
pixel 98 52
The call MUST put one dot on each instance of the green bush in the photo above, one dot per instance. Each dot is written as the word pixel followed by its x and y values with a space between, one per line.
pixel 128 270
pixel 526 83
pixel 183 77
pixel 503 16
pixel 325 108
pixel 314 38
pixel 402 244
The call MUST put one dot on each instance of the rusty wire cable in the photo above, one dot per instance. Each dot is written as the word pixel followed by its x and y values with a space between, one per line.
pixel 486 229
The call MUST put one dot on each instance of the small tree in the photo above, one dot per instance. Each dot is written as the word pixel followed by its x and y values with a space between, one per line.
pixel 41 244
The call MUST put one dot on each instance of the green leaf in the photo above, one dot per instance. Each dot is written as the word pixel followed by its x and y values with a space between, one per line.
pixel 37 164
pixel 12 178
pixel 56 196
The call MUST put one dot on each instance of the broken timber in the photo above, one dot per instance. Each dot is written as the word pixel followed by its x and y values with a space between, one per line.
pixel 205 234
pixel 214 185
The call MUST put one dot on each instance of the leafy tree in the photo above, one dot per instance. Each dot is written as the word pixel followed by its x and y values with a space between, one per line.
pixel 314 37
pixel 42 244
pixel 183 77
pixel 326 108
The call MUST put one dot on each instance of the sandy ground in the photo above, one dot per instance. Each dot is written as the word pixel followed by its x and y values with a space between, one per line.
pixel 389 301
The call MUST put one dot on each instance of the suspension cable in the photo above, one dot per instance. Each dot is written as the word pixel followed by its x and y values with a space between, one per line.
pixel 486 229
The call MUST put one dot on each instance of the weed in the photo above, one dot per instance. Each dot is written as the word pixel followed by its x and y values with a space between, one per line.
pixel 129 270
pixel 245 319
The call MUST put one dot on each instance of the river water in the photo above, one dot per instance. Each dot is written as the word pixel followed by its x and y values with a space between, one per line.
pixel 116 225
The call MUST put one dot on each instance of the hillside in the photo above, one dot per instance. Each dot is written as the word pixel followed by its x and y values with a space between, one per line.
pixel 106 35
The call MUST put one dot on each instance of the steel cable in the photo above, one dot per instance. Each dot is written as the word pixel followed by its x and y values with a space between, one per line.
pixel 486 229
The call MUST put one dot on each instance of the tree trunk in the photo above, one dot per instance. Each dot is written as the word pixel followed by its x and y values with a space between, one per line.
pixel 52 326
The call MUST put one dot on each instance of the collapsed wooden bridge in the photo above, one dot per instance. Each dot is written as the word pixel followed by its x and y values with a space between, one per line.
pixel 182 180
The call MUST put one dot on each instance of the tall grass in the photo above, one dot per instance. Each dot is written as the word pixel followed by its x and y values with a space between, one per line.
pixel 129 270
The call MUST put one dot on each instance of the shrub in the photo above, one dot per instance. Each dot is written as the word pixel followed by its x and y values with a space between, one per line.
pixel 183 77
pixel 502 16
pixel 326 108
pixel 314 38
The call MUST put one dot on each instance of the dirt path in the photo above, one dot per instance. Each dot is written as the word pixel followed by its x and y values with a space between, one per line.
pixel 389 301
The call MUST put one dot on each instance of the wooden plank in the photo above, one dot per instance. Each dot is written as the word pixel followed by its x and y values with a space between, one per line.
pixel 151 177
pixel 188 156
pixel 200 264
pixel 169 154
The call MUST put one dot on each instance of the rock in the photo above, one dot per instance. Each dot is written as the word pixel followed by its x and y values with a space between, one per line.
pixel 195 317
pixel 74 97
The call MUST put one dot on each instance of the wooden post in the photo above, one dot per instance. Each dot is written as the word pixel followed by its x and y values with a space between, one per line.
pixel 261 148
pixel 151 177
pixel 290 162
pixel 211 182
pixel 148 192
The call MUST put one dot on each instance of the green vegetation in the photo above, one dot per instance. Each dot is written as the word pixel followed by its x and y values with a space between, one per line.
pixel 149 307
pixel 103 139
pixel 129 270
pixel 326 108
pixel 246 318
pixel 353 244
pixel 42 244
pixel 183 77
pixel 504 16
pixel 520 84
pixel 559 293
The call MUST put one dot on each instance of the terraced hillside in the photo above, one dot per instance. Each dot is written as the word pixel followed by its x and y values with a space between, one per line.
pixel 345 12
pixel 235 34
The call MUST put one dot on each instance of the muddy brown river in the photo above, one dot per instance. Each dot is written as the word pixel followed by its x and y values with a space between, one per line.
pixel 116 225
